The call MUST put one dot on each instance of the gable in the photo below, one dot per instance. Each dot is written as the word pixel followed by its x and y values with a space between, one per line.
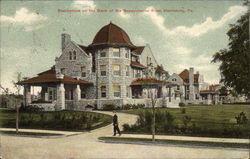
pixel 146 54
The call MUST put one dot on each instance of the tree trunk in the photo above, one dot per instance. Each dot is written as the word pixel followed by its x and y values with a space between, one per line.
pixel 153 125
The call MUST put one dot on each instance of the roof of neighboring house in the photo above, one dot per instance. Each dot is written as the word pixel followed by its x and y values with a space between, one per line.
pixel 209 92
pixel 138 50
pixel 185 76
pixel 112 34
pixel 160 69
pixel 212 89
pixel 137 64
pixel 149 81
pixel 49 76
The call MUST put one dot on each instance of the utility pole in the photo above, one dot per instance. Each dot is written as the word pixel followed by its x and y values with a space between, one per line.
pixel 17 104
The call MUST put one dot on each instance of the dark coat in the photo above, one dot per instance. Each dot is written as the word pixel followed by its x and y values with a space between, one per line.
pixel 115 120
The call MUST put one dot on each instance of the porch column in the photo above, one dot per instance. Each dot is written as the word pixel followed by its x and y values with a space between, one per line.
pixel 60 101
pixel 77 93
pixel 169 94
pixel 27 95
pixel 209 98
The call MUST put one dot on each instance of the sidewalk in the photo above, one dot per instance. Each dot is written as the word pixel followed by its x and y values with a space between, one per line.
pixel 186 138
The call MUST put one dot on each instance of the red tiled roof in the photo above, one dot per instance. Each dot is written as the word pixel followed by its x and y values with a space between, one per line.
pixel 50 71
pixel 212 89
pixel 138 50
pixel 208 91
pixel 49 76
pixel 160 69
pixel 148 81
pixel 137 64
pixel 84 48
pixel 112 34
pixel 185 76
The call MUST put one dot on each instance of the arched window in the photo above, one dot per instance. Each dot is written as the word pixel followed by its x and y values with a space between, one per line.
pixel 70 55
pixel 74 55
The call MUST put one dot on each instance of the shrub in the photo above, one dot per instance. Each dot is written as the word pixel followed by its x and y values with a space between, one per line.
pixel 183 111
pixel 241 118
pixel 182 104
pixel 30 108
pixel 108 107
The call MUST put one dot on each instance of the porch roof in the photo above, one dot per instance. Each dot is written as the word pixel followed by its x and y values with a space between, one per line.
pixel 137 65
pixel 149 81
pixel 209 92
pixel 50 76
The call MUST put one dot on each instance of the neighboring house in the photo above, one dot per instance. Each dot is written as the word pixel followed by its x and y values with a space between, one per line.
pixel 111 70
pixel 191 87
pixel 211 95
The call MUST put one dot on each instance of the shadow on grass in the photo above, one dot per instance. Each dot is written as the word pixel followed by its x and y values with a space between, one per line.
pixel 32 134
pixel 127 140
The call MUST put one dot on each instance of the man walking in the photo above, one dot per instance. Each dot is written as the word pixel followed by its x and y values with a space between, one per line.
pixel 115 124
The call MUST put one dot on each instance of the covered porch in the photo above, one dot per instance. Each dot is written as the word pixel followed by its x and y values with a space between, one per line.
pixel 209 96
pixel 146 88
pixel 58 91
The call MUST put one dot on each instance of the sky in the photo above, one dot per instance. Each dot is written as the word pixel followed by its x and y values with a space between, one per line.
pixel 181 34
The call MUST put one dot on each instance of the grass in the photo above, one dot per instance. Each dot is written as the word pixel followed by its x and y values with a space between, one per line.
pixel 63 120
pixel 211 118
pixel 38 134
pixel 173 142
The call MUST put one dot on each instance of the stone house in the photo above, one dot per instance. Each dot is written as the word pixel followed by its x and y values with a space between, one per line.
pixel 111 70
pixel 192 89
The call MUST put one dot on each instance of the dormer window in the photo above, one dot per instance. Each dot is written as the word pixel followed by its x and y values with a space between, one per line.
pixel 116 52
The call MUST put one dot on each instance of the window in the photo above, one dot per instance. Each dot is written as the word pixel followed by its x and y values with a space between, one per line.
pixel 103 54
pixel 127 55
pixel 117 90
pixel 83 71
pixel 103 70
pixel 178 87
pixel 116 70
pixel 149 60
pixel 63 70
pixel 70 55
pixel 50 94
pixel 127 70
pixel 83 94
pixel 74 55
pixel 137 74
pixel 174 79
pixel 103 91
pixel 116 52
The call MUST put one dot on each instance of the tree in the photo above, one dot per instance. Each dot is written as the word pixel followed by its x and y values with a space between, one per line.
pixel 16 86
pixel 234 60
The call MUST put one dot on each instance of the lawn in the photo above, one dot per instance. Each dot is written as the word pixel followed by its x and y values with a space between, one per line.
pixel 209 120
pixel 63 120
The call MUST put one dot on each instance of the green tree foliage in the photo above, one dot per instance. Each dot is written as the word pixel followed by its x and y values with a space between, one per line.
pixel 235 59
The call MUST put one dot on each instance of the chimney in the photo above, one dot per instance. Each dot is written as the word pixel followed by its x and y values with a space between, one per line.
pixel 191 75
pixel 65 40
